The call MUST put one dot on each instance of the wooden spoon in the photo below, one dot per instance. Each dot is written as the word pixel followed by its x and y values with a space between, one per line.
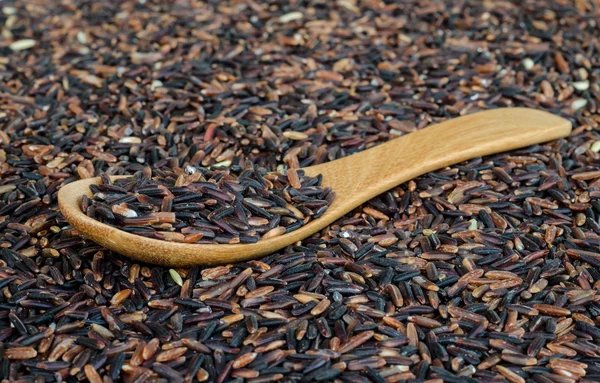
pixel 355 179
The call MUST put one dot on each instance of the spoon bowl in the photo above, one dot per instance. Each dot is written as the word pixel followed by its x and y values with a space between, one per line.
pixel 355 179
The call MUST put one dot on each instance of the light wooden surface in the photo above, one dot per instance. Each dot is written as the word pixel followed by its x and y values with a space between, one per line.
pixel 355 179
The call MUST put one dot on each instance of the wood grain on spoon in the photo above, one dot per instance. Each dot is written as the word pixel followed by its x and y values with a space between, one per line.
pixel 355 180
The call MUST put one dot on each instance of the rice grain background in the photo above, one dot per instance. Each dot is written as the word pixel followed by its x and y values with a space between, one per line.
pixel 486 271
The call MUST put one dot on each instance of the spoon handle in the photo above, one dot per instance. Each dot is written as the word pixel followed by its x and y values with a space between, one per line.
pixel 364 175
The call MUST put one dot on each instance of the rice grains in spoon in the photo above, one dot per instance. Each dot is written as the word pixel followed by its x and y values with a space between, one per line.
pixel 206 206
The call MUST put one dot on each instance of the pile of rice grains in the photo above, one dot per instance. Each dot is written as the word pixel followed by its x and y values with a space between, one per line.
pixel 486 271
pixel 206 206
